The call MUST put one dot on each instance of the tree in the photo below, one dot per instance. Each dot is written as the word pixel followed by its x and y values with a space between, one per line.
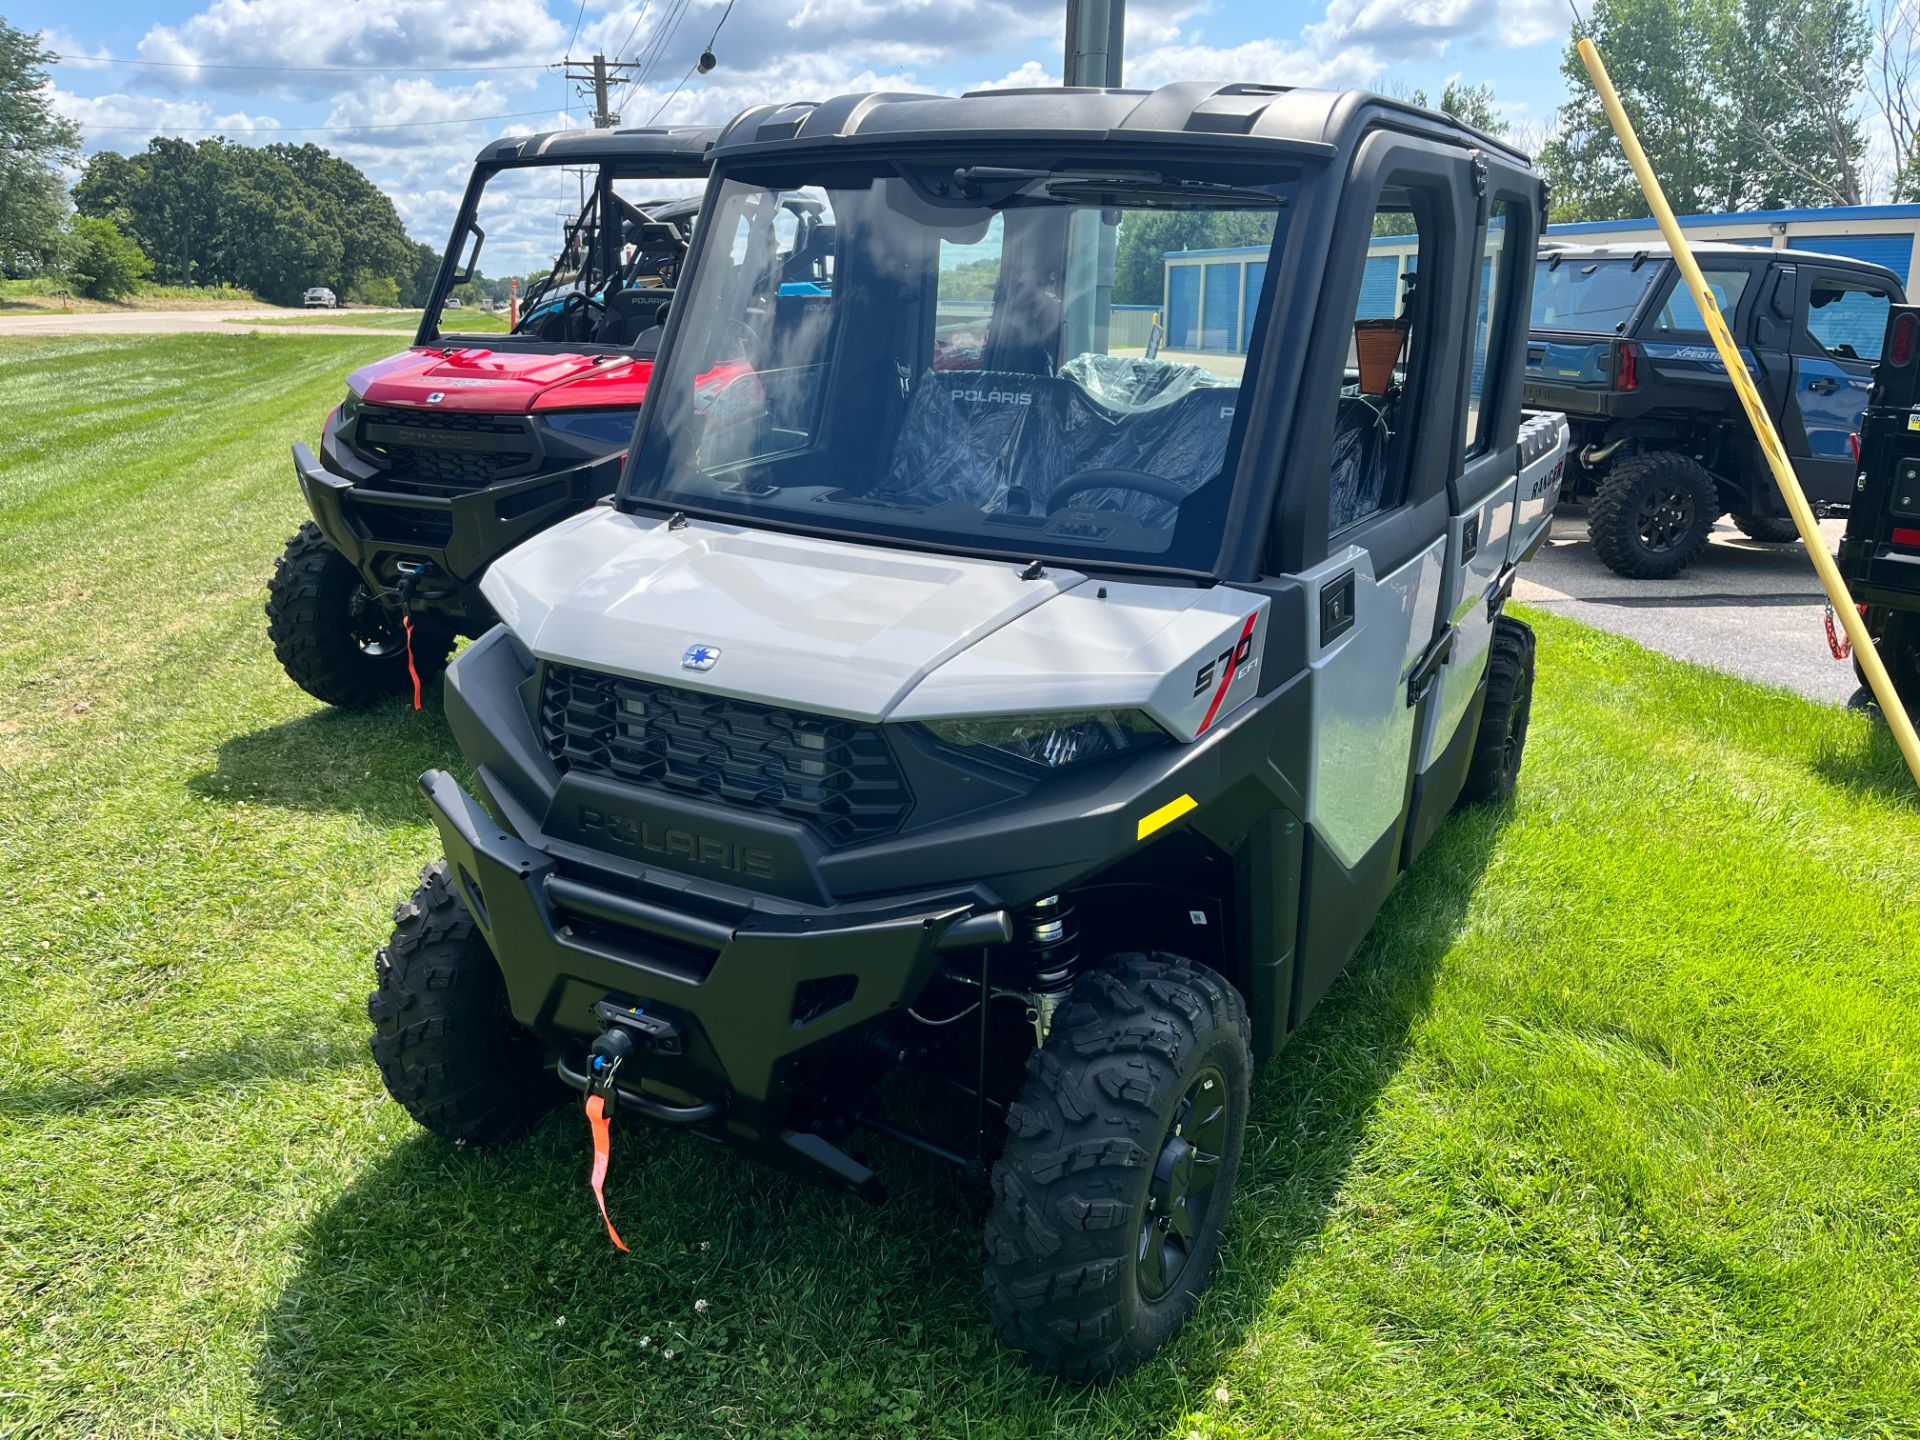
pixel 34 143
pixel 274 219
pixel 1146 236
pixel 1469 104
pixel 1740 104
pixel 104 264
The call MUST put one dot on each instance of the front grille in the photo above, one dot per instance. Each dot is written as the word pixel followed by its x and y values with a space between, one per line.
pixel 402 525
pixel 838 776
pixel 440 450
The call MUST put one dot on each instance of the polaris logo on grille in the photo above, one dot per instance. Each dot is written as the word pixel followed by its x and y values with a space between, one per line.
pixel 700 657
pixel 436 397
pixel 673 843
pixel 995 397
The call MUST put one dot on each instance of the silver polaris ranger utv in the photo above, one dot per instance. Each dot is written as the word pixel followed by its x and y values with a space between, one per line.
pixel 995 682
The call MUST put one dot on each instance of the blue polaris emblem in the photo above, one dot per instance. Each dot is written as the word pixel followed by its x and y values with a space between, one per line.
pixel 700 657
pixel 436 397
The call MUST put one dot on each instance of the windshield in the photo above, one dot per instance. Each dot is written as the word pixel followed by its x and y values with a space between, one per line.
pixel 1001 359
pixel 1595 297
pixel 587 255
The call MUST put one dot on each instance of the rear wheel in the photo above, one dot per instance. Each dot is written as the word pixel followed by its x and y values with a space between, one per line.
pixel 1501 742
pixel 1768 529
pixel 1651 516
pixel 333 638
pixel 1898 641
pixel 448 1048
pixel 1119 1167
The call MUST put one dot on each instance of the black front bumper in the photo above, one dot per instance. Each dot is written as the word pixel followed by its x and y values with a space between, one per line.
pixel 754 991
pixel 445 542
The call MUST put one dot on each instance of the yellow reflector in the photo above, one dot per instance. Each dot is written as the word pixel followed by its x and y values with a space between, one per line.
pixel 1166 815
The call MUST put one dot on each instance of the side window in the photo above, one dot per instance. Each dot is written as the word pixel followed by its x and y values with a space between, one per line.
pixel 1492 286
pixel 963 301
pixel 1368 436
pixel 1849 321
pixel 1680 316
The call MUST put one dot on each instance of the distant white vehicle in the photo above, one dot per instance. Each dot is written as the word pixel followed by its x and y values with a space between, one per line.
pixel 321 298
pixel 455 304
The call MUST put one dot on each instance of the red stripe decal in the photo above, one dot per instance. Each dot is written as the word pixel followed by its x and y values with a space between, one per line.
pixel 1233 663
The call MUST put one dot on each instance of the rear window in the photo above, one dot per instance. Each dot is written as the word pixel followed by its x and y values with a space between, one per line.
pixel 1589 296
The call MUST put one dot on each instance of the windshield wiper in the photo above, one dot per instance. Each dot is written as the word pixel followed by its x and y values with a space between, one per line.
pixel 973 179
pixel 1156 187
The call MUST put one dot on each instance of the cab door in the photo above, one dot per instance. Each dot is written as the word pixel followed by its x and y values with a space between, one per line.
pixel 1486 531
pixel 1384 460
pixel 1842 318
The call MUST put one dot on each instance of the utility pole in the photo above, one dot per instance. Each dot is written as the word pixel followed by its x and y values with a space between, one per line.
pixel 1096 42
pixel 1096 45
pixel 601 74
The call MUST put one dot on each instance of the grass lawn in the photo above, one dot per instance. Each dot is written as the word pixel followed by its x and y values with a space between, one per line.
pixel 38 295
pixel 400 322
pixel 1613 1130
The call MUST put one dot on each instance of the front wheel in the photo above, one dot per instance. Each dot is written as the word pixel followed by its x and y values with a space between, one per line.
pixel 1651 516
pixel 333 638
pixel 448 1047
pixel 1122 1149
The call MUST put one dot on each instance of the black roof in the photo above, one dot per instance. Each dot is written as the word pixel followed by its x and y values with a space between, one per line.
pixel 1322 122
pixel 1703 250
pixel 679 149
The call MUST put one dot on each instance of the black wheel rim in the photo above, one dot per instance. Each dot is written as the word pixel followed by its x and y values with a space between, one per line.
pixel 372 628
pixel 1181 1194
pixel 1666 515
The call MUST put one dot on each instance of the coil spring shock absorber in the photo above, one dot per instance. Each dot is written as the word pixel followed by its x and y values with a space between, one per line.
pixel 1051 937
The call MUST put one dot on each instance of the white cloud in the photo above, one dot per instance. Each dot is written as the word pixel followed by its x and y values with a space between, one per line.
pixel 121 122
pixel 1424 29
pixel 1030 76
pixel 1270 62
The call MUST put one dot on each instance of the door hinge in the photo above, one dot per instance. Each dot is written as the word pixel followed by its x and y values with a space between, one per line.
pixel 1421 680
pixel 1479 173
pixel 1470 538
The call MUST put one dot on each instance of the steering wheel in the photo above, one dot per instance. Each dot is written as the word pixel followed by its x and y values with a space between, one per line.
pixel 1116 477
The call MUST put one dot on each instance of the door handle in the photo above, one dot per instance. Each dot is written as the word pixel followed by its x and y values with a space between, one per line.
pixel 1823 387
pixel 1438 653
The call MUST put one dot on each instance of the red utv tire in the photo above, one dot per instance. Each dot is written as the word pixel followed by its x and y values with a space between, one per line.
pixel 334 640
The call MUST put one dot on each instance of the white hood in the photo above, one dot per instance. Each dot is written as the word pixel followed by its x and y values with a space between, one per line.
pixel 872 633
pixel 816 624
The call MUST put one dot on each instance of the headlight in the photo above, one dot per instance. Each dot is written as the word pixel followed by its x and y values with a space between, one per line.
pixel 1050 742
pixel 349 409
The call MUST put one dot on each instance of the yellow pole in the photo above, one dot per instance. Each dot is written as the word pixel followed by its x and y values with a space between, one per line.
pixel 1876 671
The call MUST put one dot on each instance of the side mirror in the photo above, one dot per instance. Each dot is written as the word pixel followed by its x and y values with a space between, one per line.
pixel 468 267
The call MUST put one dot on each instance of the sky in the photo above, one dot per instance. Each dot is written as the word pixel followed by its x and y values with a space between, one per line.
pixel 337 75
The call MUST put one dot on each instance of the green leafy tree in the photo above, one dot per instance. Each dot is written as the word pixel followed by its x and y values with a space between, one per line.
pixel 34 143
pixel 274 219
pixel 971 279
pixel 1740 104
pixel 1147 236
pixel 1470 104
pixel 104 264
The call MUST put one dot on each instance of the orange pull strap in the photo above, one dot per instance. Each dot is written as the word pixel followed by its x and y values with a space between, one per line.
pixel 406 624
pixel 602 1149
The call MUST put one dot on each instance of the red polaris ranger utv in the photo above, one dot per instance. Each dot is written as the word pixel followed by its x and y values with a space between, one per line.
pixel 443 457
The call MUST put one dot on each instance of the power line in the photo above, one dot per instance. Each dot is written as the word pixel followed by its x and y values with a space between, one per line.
pixel 297 69
pixel 165 129
pixel 576 25
pixel 645 6
pixel 696 64
pixel 655 48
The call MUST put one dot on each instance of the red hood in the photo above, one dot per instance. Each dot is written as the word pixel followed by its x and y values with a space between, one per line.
pixel 502 382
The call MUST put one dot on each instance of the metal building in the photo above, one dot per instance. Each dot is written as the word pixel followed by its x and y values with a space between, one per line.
pixel 1209 296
